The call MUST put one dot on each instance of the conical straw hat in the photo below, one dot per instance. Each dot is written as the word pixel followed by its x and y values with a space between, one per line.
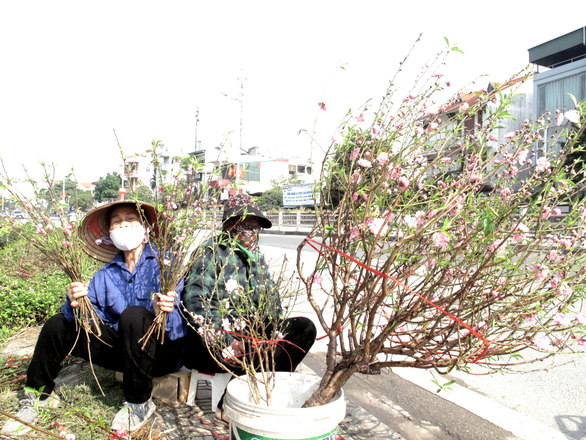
pixel 95 226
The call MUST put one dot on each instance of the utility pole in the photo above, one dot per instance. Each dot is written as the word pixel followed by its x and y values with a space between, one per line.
pixel 241 78
pixel 196 124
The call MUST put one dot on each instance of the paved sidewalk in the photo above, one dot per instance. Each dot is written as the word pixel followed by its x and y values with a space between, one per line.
pixel 179 421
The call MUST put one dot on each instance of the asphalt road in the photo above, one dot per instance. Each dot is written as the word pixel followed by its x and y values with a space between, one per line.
pixel 548 404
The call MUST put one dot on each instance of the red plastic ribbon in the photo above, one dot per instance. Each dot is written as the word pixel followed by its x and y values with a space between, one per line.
pixel 384 275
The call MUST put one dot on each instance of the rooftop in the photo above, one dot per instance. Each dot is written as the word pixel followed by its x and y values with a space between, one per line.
pixel 561 50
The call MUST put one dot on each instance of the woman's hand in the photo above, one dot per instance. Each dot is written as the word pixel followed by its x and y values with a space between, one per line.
pixel 164 302
pixel 234 350
pixel 76 290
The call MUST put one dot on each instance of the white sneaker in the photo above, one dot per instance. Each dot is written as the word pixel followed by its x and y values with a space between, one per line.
pixel 133 415
pixel 29 413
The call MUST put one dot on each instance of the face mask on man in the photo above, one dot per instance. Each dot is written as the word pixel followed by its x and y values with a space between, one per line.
pixel 127 239
pixel 246 235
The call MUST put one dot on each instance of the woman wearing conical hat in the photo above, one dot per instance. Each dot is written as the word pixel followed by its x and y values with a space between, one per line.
pixel 126 295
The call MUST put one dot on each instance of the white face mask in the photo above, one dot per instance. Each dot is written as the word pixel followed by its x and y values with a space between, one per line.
pixel 127 239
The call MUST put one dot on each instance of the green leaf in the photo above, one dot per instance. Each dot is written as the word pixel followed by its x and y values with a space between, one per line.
pixel 574 100
pixel 487 222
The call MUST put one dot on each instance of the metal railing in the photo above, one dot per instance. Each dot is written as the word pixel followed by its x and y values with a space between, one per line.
pixel 282 220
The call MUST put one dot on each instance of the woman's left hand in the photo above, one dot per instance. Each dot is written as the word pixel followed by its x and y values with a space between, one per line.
pixel 164 302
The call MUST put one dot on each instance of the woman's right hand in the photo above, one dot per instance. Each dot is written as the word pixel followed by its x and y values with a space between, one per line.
pixel 76 290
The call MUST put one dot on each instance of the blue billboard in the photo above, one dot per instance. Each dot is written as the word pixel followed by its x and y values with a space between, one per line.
pixel 298 195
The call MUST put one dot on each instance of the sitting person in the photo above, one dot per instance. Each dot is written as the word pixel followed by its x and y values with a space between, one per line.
pixel 230 280
pixel 125 295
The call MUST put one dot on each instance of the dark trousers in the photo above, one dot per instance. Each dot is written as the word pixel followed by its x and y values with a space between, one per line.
pixel 117 350
pixel 300 331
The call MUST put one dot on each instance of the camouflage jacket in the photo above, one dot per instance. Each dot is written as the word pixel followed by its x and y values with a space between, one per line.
pixel 227 284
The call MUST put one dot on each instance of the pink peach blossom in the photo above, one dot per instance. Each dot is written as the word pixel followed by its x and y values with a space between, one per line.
pixel 440 239
pixel 410 221
pixel 496 245
pixel 232 285
pixel 365 163
pixel 506 193
pixel 565 290
pixel 542 274
pixel 580 318
pixel 572 116
pixel 565 242
pixel 521 156
pixel 429 264
pixel 541 341
pixel 552 255
pixel 562 319
pixel 382 158
pixel 542 165
pixel 403 182
pixel 68 229
pixel 520 233
pixel 378 226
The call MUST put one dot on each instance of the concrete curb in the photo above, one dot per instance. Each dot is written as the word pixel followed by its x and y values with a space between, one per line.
pixel 520 425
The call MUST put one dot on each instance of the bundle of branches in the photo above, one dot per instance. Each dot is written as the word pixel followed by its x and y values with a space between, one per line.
pixel 443 243
pixel 241 307
pixel 184 219
pixel 47 227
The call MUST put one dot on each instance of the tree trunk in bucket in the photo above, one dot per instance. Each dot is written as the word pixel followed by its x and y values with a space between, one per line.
pixel 285 418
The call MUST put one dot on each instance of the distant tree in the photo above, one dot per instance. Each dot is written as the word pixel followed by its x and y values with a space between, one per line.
pixel 273 198
pixel 85 200
pixel 144 194
pixel 107 188
pixel 69 192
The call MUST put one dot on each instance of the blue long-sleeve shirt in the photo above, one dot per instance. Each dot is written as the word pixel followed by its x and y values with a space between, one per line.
pixel 113 288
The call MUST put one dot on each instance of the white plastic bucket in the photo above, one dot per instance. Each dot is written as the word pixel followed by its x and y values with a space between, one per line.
pixel 284 419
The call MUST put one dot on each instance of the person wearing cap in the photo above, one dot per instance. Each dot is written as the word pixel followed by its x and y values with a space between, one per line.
pixel 230 264
pixel 126 295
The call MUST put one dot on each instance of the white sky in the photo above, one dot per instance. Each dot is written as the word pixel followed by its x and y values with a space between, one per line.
pixel 72 71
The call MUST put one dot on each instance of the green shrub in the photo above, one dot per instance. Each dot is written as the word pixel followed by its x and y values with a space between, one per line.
pixel 271 199
pixel 31 288
pixel 30 300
